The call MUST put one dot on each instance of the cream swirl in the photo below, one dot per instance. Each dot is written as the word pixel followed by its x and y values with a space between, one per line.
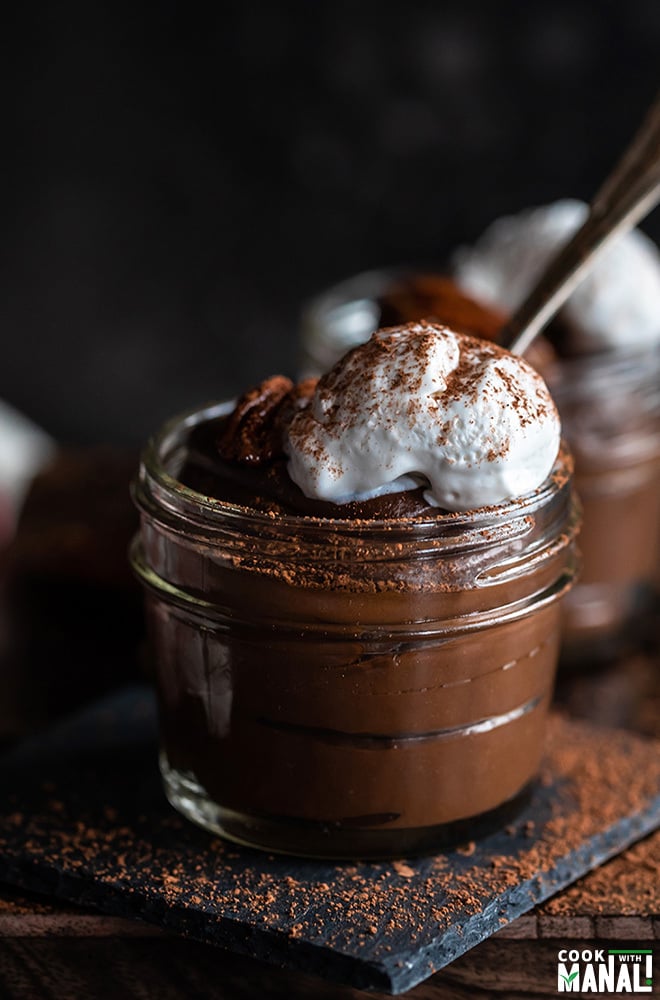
pixel 423 404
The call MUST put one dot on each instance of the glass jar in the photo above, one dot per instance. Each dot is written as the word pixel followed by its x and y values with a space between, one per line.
pixel 610 409
pixel 348 689
pixel 342 317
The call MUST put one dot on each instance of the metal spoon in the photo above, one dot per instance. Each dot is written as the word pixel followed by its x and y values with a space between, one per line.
pixel 630 192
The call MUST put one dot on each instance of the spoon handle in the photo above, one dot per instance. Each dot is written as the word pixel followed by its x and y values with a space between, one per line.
pixel 629 193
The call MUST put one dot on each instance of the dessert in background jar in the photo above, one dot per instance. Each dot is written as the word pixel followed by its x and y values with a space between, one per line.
pixel 68 584
pixel 352 591
pixel 606 382
pixel 601 359
pixel 347 314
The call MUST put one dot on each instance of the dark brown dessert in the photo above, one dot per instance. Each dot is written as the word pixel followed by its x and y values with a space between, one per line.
pixel 77 519
pixel 428 295
pixel 611 416
pixel 345 679
pixel 72 619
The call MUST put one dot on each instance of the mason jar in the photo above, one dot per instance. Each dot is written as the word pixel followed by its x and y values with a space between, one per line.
pixel 340 688
pixel 609 405
pixel 341 318
pixel 610 410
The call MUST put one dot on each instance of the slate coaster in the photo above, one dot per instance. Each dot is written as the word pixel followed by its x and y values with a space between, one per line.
pixel 82 816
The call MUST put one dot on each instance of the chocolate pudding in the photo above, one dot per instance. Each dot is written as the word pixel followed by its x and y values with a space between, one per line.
pixel 340 679
pixel 610 411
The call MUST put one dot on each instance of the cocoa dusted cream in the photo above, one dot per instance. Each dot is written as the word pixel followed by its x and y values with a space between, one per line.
pixel 419 402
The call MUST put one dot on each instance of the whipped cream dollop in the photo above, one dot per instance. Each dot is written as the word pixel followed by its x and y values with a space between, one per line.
pixel 423 404
pixel 617 305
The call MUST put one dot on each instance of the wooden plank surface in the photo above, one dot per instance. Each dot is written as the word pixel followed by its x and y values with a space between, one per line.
pixel 165 968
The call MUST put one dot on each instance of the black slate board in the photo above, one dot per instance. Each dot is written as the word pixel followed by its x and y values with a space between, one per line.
pixel 82 816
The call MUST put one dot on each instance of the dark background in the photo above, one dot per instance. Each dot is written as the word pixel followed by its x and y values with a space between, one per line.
pixel 178 182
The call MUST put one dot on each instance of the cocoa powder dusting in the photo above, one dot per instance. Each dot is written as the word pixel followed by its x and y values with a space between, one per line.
pixel 629 885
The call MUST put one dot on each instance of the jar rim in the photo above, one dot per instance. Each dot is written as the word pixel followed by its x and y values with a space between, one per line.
pixel 173 494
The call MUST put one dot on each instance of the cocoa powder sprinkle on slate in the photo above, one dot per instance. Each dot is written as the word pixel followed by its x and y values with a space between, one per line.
pixel 606 774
